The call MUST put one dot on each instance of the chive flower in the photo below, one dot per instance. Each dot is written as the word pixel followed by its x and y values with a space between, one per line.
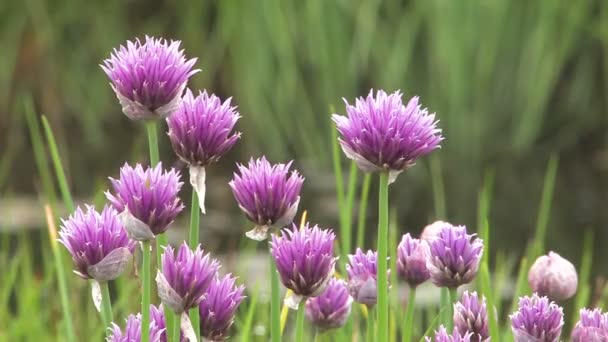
pixel 98 243
pixel 305 261
pixel 470 315
pixel 431 231
pixel 537 319
pixel 412 255
pixel 553 276
pixel 592 326
pixel 132 332
pixel 362 270
pixel 268 195
pixel 146 200
pixel 454 257
pixel 330 310
pixel 149 78
pixel 442 335
pixel 200 131
pixel 218 308
pixel 382 135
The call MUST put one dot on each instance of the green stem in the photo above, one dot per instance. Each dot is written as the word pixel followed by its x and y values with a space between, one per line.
pixel 347 211
pixel 367 180
pixel 370 324
pixel 195 214
pixel 63 293
pixel 453 299
pixel 60 173
pixel 300 322
pixel 382 256
pixel 175 332
pixel 106 305
pixel 445 301
pixel 275 303
pixel 409 316
pixel 153 142
pixel 145 303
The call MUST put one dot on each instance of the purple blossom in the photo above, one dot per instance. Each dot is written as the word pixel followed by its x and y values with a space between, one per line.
pixel 184 278
pixel 592 326
pixel 267 194
pixel 553 276
pixel 362 270
pixel 411 260
pixel 331 309
pixel 305 260
pixel 98 243
pixel 132 332
pixel 537 320
pixel 218 307
pixel 455 257
pixel 149 78
pixel 381 134
pixel 431 231
pixel 470 315
pixel 442 335
pixel 147 199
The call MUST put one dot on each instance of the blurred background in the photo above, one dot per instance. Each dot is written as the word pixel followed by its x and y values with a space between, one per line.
pixel 512 82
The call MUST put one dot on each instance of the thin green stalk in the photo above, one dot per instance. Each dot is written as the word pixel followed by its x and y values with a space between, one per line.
pixel 195 214
pixel 300 322
pixel 583 293
pixel 63 183
pixel 542 221
pixel 175 333
pixel 275 303
pixel 367 180
pixel 520 284
pixel 382 256
pixel 486 284
pixel 409 316
pixel 444 300
pixel 106 306
pixel 153 142
pixel 370 324
pixel 453 299
pixel 438 187
pixel 347 211
pixel 146 285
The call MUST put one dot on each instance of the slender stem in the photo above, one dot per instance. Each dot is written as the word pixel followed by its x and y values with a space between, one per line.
pixel 409 316
pixel 382 256
pixel 367 180
pixel 275 303
pixel 145 303
pixel 370 324
pixel 176 331
pixel 300 322
pixel 152 142
pixel 347 211
pixel 453 299
pixel 60 173
pixel 444 301
pixel 106 306
pixel 195 214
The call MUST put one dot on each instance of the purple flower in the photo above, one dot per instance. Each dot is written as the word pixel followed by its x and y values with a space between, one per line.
pixel 98 243
pixel 267 194
pixel 218 307
pixel 411 261
pixel 431 231
pixel 132 332
pixel 147 200
pixel 305 261
pixel 331 309
pixel 470 315
pixel 442 335
pixel 184 279
pixel 362 270
pixel 455 257
pixel 553 276
pixel 149 78
pixel 381 134
pixel 200 133
pixel 537 320
pixel 592 327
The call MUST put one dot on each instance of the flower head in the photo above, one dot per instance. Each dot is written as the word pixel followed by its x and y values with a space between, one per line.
pixel 442 335
pixel 132 332
pixel 553 276
pixel 455 257
pixel 147 199
pixel 411 260
pixel 592 327
pixel 267 194
pixel 98 243
pixel 537 319
pixel 362 270
pixel 330 309
pixel 431 231
pixel 149 78
pixel 470 315
pixel 381 134
pixel 305 260
pixel 184 278
pixel 218 307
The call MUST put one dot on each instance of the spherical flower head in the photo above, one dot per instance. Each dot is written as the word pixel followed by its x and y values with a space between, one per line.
pixel 470 315
pixel 362 270
pixel 381 134
pixel 268 195
pixel 149 79
pixel 184 278
pixel 455 257
pixel 98 243
pixel 218 308
pixel 537 320
pixel 431 231
pixel 132 332
pixel 592 326
pixel 411 261
pixel 330 309
pixel 305 261
pixel 442 335
pixel 146 199
pixel 553 276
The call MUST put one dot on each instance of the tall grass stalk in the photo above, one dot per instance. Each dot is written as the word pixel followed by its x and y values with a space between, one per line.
pixel 382 308
pixel 408 325
pixel 542 220
pixel 453 297
pixel 60 174
pixel 584 291
pixel 146 289
pixel 300 321
pixel 106 307
pixel 195 214
pixel 486 284
pixel 371 331
pixel 275 303
pixel 363 200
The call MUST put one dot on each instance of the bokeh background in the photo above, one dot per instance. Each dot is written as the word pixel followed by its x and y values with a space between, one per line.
pixel 513 83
